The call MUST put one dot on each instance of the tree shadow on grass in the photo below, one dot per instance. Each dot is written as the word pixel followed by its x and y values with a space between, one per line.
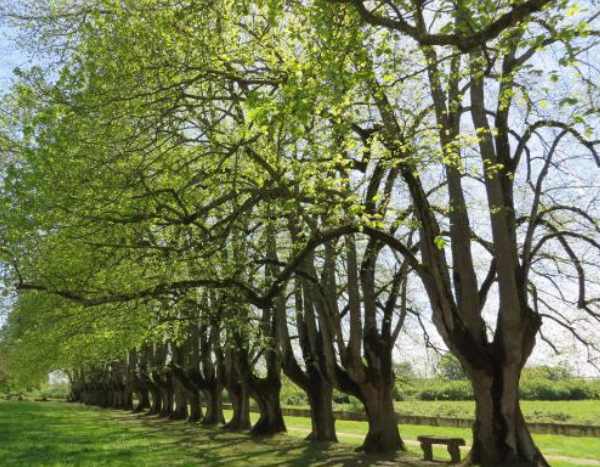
pixel 56 434
pixel 214 446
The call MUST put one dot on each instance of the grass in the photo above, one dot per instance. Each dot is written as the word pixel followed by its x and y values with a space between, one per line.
pixel 552 445
pixel 54 434
pixel 57 434
pixel 585 412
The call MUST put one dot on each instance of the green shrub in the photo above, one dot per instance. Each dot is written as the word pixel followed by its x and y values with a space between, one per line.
pixel 398 393
pixel 544 389
pixel 340 397
pixel 355 405
pixel 446 391
pixel 531 388
pixel 55 391
pixel 292 394
pixel 295 399
pixel 450 368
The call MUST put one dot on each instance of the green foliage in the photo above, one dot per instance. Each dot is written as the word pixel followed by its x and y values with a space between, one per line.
pixel 292 394
pixel 4 375
pixel 437 390
pixel 51 391
pixel 553 373
pixel 404 371
pixel 545 389
pixel 450 368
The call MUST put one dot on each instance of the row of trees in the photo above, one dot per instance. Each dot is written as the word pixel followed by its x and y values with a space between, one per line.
pixel 200 195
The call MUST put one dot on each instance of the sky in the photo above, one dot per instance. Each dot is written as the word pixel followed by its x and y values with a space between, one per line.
pixel 10 58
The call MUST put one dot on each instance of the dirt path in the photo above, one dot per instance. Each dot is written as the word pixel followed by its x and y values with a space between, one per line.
pixel 412 442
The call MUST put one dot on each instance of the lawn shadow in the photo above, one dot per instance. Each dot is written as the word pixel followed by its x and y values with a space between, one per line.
pixel 61 434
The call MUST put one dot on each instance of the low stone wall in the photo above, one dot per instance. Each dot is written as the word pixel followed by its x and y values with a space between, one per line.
pixel 563 429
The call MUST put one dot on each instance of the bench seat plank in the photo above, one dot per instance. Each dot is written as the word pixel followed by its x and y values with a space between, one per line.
pixel 441 440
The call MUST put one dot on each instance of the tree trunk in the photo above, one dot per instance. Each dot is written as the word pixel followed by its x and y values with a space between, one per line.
pixel 156 403
pixel 166 395
pixel 195 407
pixel 266 392
pixel 114 398
pixel 143 397
pixel 320 397
pixel 181 411
pixel 500 434
pixel 383 435
pixel 167 402
pixel 127 398
pixel 240 401
pixel 214 405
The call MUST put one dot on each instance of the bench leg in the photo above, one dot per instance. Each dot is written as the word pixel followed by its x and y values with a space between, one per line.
pixel 454 452
pixel 427 451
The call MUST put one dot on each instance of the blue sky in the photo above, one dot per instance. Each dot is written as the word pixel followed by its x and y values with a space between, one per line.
pixel 9 57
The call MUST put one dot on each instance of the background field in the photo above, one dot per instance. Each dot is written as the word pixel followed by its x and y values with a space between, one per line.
pixel 581 412
pixel 577 412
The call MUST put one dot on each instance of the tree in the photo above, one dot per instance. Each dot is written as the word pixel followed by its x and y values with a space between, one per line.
pixel 468 53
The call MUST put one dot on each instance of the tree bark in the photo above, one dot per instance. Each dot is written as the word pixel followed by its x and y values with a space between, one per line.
pixel 143 396
pixel 500 434
pixel 214 405
pixel 192 386
pixel 181 411
pixel 240 401
pixel 165 388
pixel 266 393
pixel 156 396
pixel 383 435
pixel 320 398
pixel 127 398
pixel 167 402
pixel 195 407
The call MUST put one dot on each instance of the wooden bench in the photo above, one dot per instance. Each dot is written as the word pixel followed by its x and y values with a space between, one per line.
pixel 453 445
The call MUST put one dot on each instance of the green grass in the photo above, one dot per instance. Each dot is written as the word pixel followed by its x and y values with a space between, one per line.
pixel 580 412
pixel 552 445
pixel 57 434
pixel 54 434
pixel 586 412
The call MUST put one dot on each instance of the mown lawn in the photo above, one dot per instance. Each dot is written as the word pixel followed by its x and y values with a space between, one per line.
pixel 581 412
pixel 56 434
pixel 551 445
pixel 586 412
pixel 59 434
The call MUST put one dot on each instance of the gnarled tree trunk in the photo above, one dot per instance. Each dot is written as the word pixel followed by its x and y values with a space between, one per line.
pixel 195 406
pixel 181 411
pixel 214 404
pixel 266 393
pixel 143 396
pixel 383 434
pixel 156 397
pixel 500 433
pixel 165 388
pixel 240 402
pixel 320 398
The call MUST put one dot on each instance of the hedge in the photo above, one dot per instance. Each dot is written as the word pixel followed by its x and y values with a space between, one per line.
pixel 540 389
